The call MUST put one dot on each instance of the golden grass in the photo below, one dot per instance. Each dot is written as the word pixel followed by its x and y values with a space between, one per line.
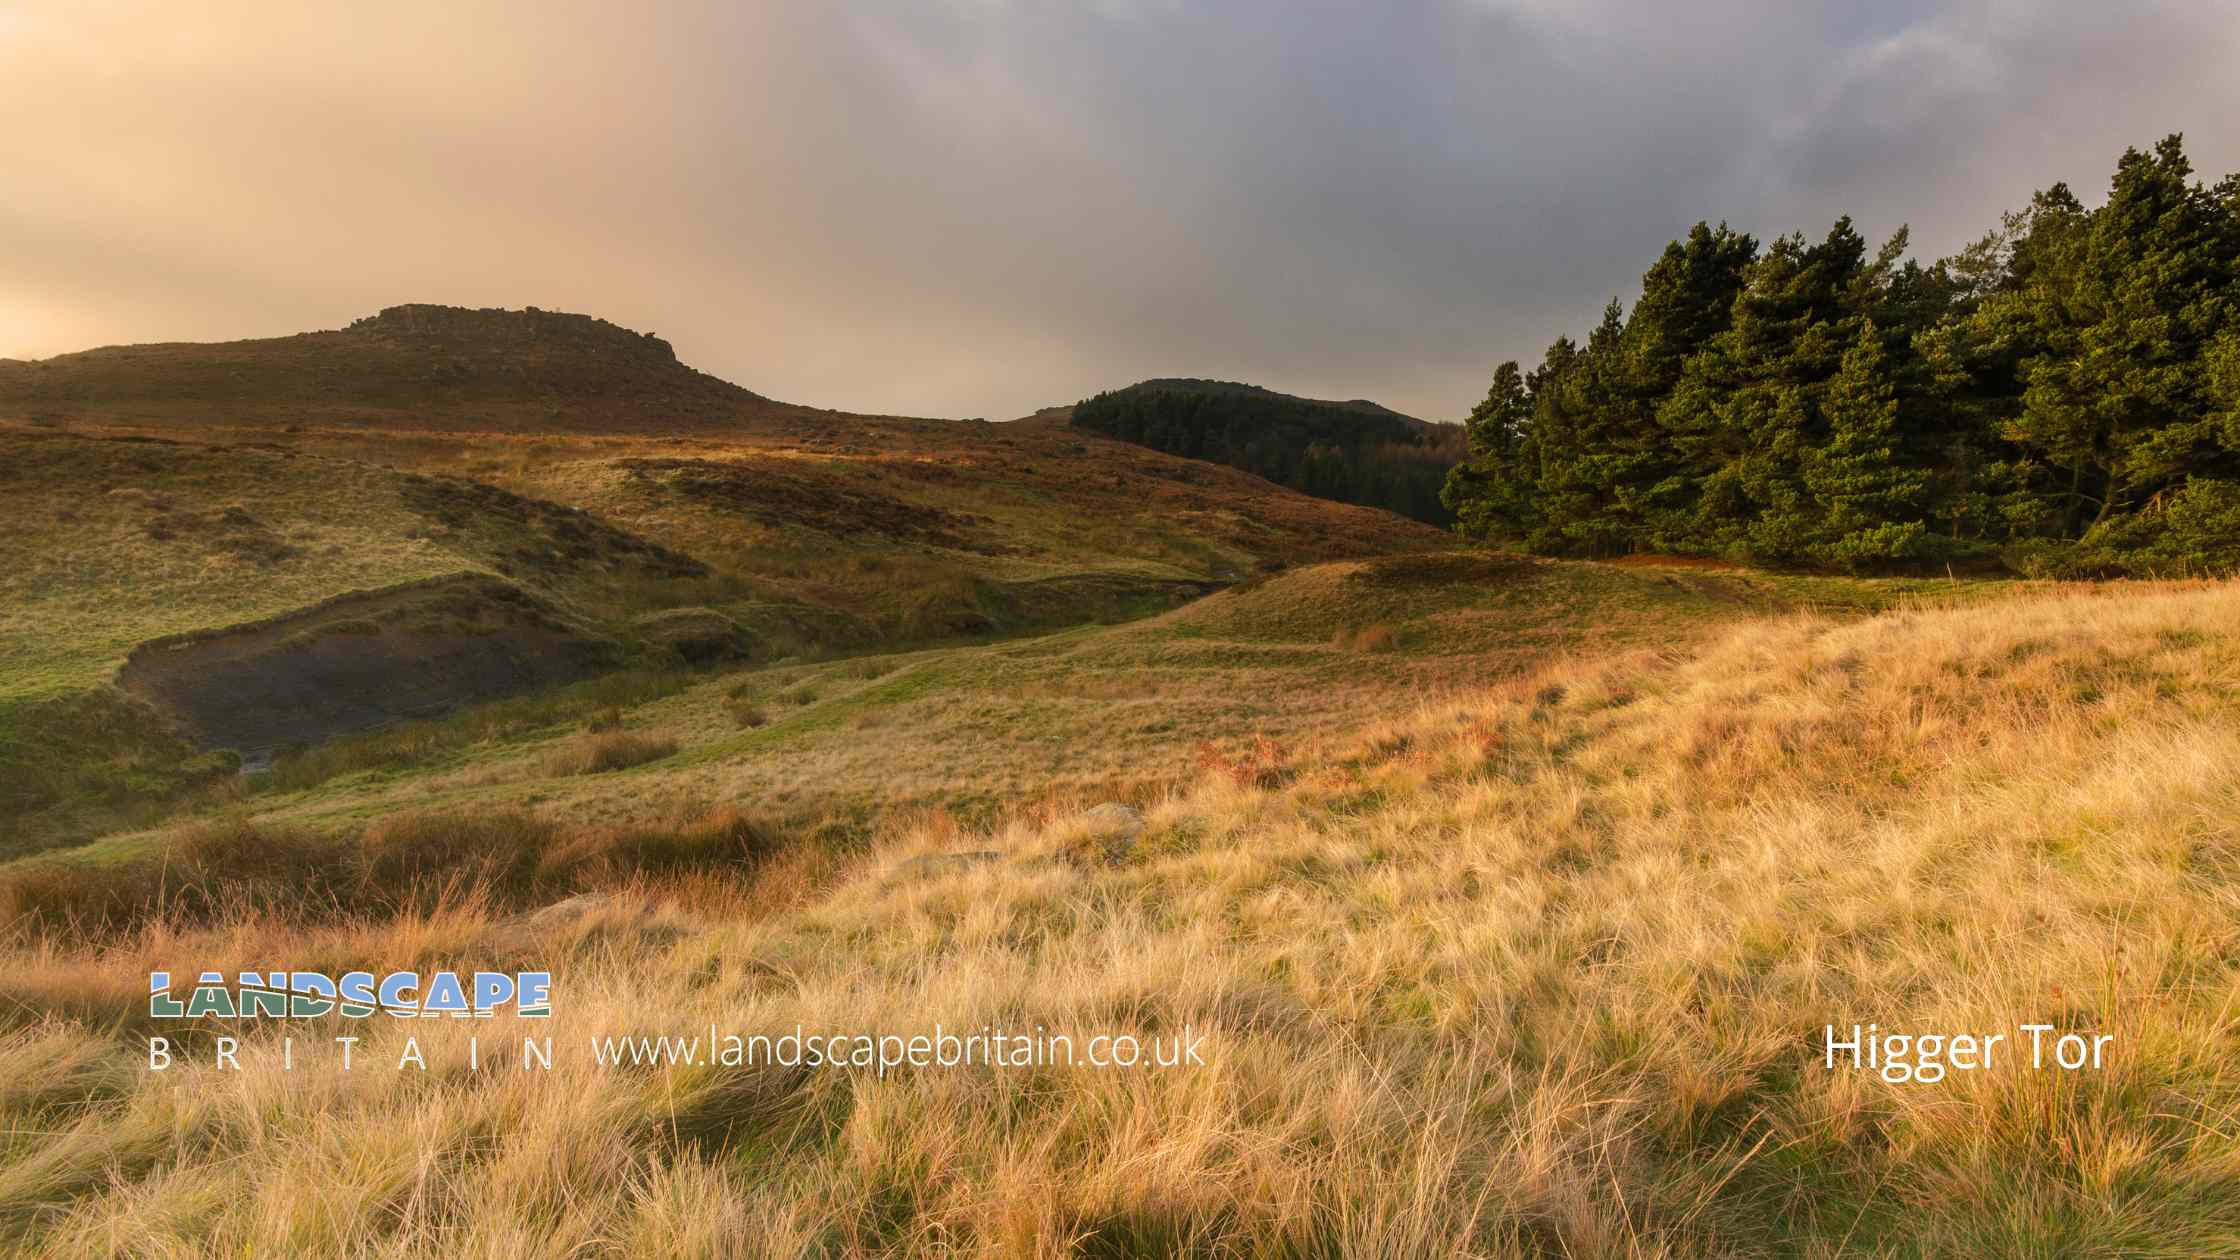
pixel 1098 711
pixel 1536 970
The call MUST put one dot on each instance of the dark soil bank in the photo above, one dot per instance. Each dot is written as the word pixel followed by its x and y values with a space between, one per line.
pixel 359 661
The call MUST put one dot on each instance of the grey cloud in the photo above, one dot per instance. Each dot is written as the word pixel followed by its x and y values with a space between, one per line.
pixel 976 207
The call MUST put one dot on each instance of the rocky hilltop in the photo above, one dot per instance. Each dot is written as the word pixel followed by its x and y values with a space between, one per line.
pixel 418 366
pixel 430 326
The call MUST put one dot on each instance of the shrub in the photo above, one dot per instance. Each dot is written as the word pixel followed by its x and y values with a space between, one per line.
pixel 746 713
pixel 75 897
pixel 505 858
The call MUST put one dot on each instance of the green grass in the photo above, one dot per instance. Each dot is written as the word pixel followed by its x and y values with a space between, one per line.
pixel 90 579
pixel 814 716
pixel 990 690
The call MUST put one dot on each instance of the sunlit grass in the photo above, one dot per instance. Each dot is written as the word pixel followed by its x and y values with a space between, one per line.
pixel 1533 968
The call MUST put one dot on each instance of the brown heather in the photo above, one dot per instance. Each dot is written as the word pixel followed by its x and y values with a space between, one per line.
pixel 1537 971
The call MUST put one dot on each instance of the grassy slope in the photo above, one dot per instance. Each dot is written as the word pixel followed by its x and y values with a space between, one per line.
pixel 1535 969
pixel 831 534
pixel 125 540
pixel 1511 891
pixel 1120 710
pixel 830 527
pixel 918 533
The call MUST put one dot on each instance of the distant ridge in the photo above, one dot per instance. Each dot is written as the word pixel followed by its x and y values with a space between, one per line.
pixel 1355 451
pixel 1207 385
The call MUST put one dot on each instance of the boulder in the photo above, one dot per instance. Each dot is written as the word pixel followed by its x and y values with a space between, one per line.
pixel 1113 820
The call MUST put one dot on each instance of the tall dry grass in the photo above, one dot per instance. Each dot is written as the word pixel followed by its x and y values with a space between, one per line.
pixel 1539 972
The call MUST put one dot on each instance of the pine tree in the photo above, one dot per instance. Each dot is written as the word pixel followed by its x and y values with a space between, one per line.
pixel 1614 455
pixel 1869 502
pixel 2116 402
pixel 1550 445
pixel 2064 394
pixel 1497 424
pixel 1489 493
pixel 1759 385
pixel 1687 300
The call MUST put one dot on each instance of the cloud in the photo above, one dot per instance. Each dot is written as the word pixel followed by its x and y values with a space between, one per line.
pixel 978 207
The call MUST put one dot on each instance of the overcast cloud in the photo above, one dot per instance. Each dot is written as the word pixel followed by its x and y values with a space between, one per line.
pixel 981 207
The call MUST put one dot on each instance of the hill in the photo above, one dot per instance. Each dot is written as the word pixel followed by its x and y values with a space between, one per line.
pixel 1353 452
pixel 200 504
pixel 412 366
pixel 1539 965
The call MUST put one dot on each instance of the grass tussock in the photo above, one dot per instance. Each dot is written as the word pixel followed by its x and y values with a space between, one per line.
pixel 719 839
pixel 613 750
pixel 1540 970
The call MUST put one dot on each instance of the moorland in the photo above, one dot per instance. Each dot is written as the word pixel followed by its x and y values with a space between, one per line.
pixel 1507 885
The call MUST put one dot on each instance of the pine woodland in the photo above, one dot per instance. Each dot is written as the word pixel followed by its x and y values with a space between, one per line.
pixel 2062 397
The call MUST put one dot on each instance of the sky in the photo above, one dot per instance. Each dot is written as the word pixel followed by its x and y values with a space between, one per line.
pixel 984 207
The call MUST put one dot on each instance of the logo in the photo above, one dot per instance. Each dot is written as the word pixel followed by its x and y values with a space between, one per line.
pixel 353 994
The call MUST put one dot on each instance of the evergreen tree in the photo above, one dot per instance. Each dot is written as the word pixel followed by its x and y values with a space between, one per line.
pixel 1488 493
pixel 1498 423
pixel 1870 502
pixel 2063 394
pixel 1687 300
pixel 1596 490
pixel 2116 402
pixel 1549 445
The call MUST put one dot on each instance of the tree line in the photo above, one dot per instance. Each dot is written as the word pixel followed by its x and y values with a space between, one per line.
pixel 1351 452
pixel 2062 397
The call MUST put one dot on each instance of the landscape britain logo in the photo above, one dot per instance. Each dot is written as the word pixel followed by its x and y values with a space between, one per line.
pixel 353 995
